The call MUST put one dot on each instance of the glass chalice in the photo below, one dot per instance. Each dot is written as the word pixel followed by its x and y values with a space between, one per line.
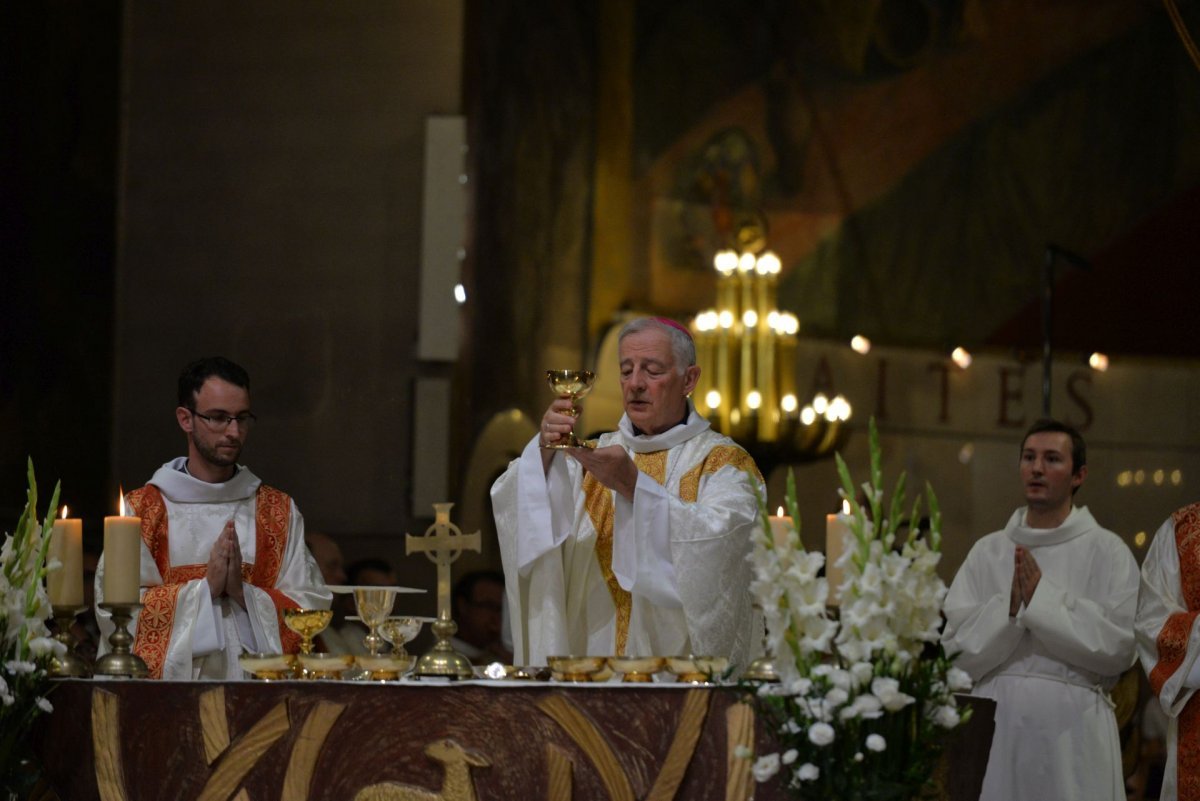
pixel 573 384
pixel 308 623
pixel 401 630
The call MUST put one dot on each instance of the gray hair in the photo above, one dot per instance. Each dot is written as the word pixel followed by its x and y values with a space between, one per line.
pixel 683 348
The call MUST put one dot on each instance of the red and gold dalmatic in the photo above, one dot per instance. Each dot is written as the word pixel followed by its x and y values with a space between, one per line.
pixel 1172 645
pixel 156 620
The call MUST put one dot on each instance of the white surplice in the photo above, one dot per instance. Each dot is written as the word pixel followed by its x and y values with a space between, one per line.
pixel 1050 667
pixel 206 636
pixel 679 548
pixel 1168 640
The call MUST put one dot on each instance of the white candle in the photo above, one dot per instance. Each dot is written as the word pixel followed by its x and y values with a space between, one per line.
pixel 781 527
pixel 122 557
pixel 64 586
pixel 837 531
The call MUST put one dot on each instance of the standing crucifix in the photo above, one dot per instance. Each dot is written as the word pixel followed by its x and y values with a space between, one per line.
pixel 441 544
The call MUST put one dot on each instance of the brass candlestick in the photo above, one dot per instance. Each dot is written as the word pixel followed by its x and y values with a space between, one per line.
pixel 121 660
pixel 70 664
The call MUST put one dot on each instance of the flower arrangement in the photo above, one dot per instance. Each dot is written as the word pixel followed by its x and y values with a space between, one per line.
pixel 865 698
pixel 26 647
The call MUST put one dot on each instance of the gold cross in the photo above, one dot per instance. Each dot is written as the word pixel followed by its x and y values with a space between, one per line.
pixel 441 544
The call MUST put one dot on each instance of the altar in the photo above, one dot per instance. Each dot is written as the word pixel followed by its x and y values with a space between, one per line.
pixel 121 740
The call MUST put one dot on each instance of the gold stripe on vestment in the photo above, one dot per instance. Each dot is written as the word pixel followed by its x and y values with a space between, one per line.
pixel 718 457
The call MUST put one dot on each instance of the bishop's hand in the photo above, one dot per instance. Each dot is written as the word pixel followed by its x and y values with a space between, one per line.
pixel 611 466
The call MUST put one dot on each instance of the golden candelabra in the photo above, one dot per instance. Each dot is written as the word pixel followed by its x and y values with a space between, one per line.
pixel 746 349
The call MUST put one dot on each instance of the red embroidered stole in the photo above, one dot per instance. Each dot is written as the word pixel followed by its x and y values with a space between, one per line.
pixel 599 505
pixel 157 617
pixel 1172 647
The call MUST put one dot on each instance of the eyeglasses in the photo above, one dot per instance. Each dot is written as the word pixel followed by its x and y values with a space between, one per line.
pixel 220 421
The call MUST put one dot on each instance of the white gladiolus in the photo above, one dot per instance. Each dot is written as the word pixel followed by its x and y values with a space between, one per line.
pixel 789 756
pixel 875 742
pixel 808 772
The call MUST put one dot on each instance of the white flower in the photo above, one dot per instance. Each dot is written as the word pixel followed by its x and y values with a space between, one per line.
pixel 858 757
pixel 743 752
pixel 836 697
pixel 862 672
pixel 959 680
pixel 887 690
pixel 800 687
pixel 875 742
pixel 40 646
pixel 808 772
pixel 44 705
pixel 18 666
pixel 820 734
pixel 789 756
pixel 946 717
pixel 766 767
pixel 7 699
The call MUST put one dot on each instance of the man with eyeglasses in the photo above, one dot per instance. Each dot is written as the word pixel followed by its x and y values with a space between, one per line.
pixel 222 553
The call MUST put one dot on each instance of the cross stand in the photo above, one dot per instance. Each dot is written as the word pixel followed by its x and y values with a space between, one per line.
pixel 442 543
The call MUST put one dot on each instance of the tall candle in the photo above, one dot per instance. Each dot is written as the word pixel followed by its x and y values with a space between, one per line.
pixel 781 527
pixel 64 586
pixel 837 530
pixel 122 558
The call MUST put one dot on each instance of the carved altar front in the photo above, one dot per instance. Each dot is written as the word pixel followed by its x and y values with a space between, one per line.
pixel 307 741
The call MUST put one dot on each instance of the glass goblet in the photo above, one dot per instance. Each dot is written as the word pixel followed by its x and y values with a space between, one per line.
pixel 308 623
pixel 399 631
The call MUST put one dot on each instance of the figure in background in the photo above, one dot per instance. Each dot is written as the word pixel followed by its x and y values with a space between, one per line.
pixel 1041 616
pixel 331 562
pixel 638 546
pixel 479 611
pixel 1168 644
pixel 222 553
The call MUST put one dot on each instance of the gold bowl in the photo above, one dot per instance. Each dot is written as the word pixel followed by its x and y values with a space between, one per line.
pixel 637 668
pixel 697 669
pixel 307 623
pixel 576 668
pixel 269 667
pixel 325 666
pixel 385 667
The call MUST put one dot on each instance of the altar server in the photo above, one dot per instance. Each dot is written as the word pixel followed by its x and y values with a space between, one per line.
pixel 1041 615
pixel 638 546
pixel 223 554
pixel 1168 643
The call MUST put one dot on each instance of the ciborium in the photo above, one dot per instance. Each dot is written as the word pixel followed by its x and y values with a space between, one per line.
pixel 308 623
pixel 573 384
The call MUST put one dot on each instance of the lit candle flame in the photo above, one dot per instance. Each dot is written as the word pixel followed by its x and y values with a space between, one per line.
pixel 845 507
pixel 121 502
pixel 779 513
pixel 64 513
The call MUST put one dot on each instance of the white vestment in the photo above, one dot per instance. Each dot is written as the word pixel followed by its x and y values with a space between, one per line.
pixel 1168 642
pixel 677 578
pixel 203 638
pixel 1050 667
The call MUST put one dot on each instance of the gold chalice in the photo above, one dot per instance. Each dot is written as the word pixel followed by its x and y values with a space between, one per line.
pixel 374 604
pixel 308 623
pixel 400 630
pixel 573 384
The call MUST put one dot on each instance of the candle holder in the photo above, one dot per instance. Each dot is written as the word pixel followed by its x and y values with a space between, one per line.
pixel 121 661
pixel 70 664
